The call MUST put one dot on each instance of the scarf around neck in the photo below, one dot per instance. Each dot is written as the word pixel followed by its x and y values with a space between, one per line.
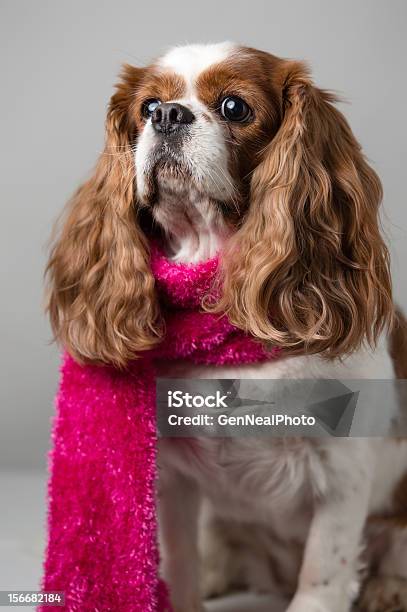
pixel 102 524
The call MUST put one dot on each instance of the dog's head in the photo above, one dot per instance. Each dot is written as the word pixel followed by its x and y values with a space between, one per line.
pixel 238 144
pixel 203 116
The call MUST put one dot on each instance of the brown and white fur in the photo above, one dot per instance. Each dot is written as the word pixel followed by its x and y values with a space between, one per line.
pixel 288 198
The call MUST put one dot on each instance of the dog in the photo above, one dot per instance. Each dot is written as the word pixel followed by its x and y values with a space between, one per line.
pixel 226 149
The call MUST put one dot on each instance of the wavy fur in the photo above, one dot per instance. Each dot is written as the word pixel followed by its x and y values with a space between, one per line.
pixel 101 301
pixel 313 270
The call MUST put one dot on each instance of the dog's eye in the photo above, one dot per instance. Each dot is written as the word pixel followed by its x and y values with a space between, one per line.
pixel 235 109
pixel 149 106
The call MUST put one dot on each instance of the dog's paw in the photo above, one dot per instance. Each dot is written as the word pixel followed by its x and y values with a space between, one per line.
pixel 383 594
pixel 182 601
pixel 213 583
pixel 188 609
pixel 308 602
pixel 325 599
pixel 195 609
pixel 217 570
pixel 192 607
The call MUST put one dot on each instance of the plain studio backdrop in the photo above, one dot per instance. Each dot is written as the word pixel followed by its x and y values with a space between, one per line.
pixel 59 61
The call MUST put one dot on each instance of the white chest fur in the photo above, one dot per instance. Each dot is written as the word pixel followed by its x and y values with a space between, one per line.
pixel 234 472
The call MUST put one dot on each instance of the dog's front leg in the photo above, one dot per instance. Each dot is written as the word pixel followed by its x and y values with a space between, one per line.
pixel 328 580
pixel 178 507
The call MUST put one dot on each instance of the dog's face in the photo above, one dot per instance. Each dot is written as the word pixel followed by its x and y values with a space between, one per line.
pixel 240 143
pixel 204 114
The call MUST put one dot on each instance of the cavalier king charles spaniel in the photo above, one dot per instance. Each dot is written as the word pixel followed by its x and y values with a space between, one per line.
pixel 224 148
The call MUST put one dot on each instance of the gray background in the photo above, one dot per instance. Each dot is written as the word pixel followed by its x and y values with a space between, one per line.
pixel 59 61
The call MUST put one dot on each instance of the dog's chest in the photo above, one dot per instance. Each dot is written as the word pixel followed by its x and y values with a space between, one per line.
pixel 267 481
pixel 258 480
pixel 250 480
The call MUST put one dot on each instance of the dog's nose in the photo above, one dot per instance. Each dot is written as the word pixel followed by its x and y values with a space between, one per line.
pixel 169 117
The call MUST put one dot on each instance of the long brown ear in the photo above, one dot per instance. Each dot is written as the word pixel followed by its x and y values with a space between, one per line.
pixel 312 271
pixel 101 301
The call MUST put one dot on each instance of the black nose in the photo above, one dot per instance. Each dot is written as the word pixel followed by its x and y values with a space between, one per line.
pixel 169 117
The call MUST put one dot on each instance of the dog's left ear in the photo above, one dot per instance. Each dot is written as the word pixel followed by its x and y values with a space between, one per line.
pixel 313 270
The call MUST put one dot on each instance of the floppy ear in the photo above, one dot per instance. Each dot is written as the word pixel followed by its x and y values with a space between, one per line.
pixel 312 270
pixel 102 301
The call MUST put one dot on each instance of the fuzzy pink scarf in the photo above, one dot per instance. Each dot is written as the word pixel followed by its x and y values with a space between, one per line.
pixel 102 549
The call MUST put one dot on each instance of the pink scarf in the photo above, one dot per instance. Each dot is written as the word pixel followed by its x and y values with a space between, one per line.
pixel 102 549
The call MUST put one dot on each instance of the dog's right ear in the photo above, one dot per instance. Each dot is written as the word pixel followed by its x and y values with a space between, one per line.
pixel 101 296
